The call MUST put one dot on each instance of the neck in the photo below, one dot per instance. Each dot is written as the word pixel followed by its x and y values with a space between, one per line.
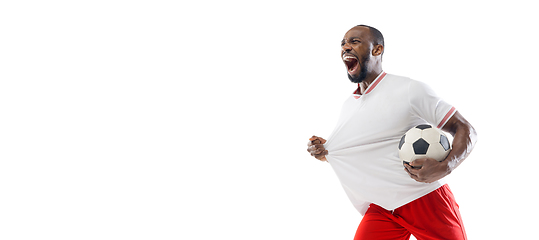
pixel 371 76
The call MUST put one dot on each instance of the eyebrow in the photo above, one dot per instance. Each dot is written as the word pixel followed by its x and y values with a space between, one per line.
pixel 351 38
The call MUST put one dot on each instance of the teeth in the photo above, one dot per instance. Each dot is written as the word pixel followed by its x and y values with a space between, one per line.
pixel 348 57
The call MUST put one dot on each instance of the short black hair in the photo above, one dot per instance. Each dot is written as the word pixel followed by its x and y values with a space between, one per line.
pixel 378 38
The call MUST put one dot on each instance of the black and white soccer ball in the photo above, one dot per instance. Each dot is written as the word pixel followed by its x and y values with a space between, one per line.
pixel 424 141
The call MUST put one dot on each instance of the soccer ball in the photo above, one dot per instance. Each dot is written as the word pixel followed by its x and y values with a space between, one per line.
pixel 424 141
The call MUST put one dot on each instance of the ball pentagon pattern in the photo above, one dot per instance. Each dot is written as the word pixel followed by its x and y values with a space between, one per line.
pixel 423 141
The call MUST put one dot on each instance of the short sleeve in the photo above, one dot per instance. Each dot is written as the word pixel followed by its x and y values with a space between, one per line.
pixel 427 105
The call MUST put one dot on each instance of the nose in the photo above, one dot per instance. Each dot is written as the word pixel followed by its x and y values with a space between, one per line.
pixel 346 47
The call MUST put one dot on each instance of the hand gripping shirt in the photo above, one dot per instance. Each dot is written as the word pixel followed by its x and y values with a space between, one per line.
pixel 363 147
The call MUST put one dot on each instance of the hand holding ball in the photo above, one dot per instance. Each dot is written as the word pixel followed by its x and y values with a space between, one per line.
pixel 424 141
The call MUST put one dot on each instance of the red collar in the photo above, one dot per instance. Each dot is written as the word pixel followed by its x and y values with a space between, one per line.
pixel 371 87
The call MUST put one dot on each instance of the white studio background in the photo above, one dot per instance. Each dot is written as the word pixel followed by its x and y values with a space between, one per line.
pixel 189 120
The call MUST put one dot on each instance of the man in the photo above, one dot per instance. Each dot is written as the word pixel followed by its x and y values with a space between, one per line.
pixel 395 199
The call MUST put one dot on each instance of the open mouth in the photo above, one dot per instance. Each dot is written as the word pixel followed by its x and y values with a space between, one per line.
pixel 352 64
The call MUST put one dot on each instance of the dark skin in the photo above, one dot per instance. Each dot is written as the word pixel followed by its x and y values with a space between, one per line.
pixel 464 137
pixel 358 43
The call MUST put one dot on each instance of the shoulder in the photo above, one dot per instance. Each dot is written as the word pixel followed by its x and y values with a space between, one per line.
pixel 410 86
pixel 419 88
pixel 407 87
pixel 398 84
pixel 397 80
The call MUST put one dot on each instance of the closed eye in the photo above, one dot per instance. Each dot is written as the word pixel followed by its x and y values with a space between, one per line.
pixel 351 41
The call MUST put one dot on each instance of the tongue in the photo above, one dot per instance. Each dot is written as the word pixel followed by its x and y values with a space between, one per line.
pixel 352 67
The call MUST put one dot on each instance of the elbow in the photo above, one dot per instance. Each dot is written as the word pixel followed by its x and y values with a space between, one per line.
pixel 471 133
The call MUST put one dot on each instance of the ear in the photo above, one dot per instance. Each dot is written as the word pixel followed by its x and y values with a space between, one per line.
pixel 378 50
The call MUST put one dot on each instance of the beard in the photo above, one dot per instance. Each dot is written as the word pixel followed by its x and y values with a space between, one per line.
pixel 362 71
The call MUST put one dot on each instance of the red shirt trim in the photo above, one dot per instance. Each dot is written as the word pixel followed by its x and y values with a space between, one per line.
pixel 371 87
pixel 446 118
pixel 375 83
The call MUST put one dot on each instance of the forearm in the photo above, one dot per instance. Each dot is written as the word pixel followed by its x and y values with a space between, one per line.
pixel 464 139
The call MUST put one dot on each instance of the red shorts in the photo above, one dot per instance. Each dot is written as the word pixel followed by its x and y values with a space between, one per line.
pixel 434 216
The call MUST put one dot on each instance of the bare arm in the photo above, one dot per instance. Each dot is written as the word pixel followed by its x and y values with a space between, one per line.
pixel 464 138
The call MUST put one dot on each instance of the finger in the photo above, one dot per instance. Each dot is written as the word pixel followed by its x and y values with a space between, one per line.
pixel 310 143
pixel 408 169
pixel 407 166
pixel 321 153
pixel 314 142
pixel 415 167
pixel 318 152
pixel 311 139
pixel 418 162
pixel 412 170
pixel 317 140
pixel 316 148
pixel 320 148
pixel 313 151
pixel 413 176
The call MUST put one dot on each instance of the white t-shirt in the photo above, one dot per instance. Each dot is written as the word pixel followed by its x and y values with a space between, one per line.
pixel 363 148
